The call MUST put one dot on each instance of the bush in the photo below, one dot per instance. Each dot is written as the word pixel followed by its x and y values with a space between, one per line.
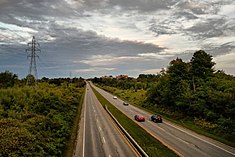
pixel 37 122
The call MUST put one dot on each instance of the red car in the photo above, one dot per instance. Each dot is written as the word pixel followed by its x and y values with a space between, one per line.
pixel 139 118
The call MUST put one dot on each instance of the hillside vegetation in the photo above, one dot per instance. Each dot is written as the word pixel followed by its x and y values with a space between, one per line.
pixel 36 121
pixel 191 92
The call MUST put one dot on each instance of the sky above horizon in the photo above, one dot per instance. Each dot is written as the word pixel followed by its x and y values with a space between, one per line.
pixel 93 38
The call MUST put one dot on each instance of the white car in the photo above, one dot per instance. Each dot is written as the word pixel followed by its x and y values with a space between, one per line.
pixel 114 97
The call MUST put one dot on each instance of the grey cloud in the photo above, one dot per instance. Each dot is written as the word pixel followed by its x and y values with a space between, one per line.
pixel 35 9
pixel 161 28
pixel 217 50
pixel 141 5
pixel 186 15
pixel 71 44
pixel 210 28
pixel 199 7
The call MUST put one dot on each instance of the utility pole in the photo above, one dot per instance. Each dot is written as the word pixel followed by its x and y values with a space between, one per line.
pixel 33 48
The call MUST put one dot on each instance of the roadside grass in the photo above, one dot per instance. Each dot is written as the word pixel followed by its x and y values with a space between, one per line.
pixel 134 98
pixel 130 95
pixel 149 144
pixel 71 143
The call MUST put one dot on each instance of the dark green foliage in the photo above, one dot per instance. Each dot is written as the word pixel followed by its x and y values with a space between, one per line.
pixel 37 121
pixel 192 90
pixel 7 79
pixel 202 64
pixel 127 83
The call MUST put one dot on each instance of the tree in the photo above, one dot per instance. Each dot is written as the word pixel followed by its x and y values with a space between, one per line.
pixel 7 79
pixel 202 65
pixel 31 80
pixel 178 70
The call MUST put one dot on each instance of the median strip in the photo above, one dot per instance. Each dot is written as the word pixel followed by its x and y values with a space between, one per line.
pixel 148 143
pixel 133 142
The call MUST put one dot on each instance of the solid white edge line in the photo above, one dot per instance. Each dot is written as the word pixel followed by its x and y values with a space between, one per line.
pixel 201 139
pixel 83 149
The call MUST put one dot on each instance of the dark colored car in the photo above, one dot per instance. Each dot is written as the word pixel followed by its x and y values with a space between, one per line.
pixel 156 118
pixel 139 118
pixel 125 103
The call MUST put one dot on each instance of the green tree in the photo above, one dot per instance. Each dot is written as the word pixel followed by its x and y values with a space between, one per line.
pixel 202 65
pixel 7 79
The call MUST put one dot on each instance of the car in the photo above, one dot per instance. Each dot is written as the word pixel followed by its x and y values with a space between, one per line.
pixel 114 97
pixel 156 118
pixel 125 103
pixel 139 118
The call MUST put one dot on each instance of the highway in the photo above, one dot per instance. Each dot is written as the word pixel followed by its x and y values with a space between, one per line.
pixel 98 135
pixel 183 141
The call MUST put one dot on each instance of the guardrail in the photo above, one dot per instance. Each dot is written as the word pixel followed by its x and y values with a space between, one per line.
pixel 128 136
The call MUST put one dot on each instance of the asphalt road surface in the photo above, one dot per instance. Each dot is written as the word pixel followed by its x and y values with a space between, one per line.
pixel 183 141
pixel 100 136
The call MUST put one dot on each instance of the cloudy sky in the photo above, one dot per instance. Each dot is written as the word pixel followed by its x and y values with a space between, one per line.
pixel 91 38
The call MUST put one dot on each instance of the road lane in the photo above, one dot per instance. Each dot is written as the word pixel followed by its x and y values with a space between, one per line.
pixel 182 140
pixel 101 136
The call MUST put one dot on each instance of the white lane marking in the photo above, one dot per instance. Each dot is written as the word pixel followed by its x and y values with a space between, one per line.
pixel 110 155
pixel 84 130
pixel 201 139
pixel 162 129
pixel 97 120
pixel 196 137
pixel 100 128
pixel 104 139
pixel 182 140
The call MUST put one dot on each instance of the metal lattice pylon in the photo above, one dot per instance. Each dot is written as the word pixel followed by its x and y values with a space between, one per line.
pixel 33 48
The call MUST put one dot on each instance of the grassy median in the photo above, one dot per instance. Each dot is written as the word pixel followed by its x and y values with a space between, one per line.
pixel 196 125
pixel 149 144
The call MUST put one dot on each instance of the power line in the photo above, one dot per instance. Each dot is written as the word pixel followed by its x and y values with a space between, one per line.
pixel 33 47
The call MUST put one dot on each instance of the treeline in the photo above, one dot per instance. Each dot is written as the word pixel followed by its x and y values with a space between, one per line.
pixel 142 82
pixel 194 90
pixel 36 121
pixel 8 79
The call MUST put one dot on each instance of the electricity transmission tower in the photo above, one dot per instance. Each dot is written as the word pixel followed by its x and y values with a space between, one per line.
pixel 33 48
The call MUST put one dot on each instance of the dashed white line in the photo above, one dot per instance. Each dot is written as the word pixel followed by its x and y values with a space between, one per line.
pixel 201 139
pixel 162 129
pixel 100 128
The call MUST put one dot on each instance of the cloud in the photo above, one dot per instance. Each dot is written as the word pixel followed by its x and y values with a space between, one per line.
pixel 152 71
pixel 154 55
pixel 129 36
pixel 93 70
pixel 226 62
pixel 100 60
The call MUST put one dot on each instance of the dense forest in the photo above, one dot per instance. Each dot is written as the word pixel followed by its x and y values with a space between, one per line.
pixel 37 120
pixel 188 90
